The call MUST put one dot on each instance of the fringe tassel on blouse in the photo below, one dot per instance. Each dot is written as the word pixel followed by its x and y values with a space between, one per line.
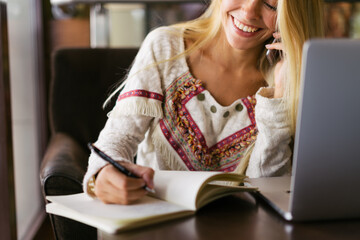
pixel 139 107
pixel 162 148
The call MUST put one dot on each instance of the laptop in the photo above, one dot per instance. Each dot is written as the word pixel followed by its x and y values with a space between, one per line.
pixel 325 181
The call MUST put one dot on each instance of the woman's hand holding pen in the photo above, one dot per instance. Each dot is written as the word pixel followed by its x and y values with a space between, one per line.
pixel 111 186
pixel 279 72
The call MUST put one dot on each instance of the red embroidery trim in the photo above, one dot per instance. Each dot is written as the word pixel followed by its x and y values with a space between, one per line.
pixel 141 93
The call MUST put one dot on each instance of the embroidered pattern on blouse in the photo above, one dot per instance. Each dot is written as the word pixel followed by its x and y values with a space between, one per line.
pixel 187 140
pixel 141 93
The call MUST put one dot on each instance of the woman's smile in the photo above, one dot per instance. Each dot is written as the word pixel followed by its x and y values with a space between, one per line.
pixel 247 24
pixel 243 29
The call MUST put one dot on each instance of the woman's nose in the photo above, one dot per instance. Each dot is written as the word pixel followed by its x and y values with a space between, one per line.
pixel 252 9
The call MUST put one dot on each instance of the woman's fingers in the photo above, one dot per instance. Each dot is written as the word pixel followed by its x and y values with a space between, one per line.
pixel 145 173
pixel 275 46
pixel 112 186
pixel 119 180
pixel 277 35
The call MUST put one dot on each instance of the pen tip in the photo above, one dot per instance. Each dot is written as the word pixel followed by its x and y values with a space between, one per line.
pixel 151 190
pixel 89 145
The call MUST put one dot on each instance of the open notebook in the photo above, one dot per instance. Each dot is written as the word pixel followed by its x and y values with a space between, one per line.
pixel 325 183
pixel 178 194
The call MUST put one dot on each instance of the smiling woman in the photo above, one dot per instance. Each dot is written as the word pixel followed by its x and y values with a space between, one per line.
pixel 202 96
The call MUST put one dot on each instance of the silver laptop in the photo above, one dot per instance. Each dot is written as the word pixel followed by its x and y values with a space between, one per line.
pixel 325 182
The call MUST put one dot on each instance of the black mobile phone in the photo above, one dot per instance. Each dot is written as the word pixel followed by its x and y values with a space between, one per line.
pixel 273 55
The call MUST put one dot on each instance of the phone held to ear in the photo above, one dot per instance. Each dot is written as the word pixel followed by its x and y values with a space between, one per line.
pixel 273 55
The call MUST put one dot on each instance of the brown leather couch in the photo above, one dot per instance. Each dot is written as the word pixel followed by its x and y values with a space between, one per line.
pixel 82 78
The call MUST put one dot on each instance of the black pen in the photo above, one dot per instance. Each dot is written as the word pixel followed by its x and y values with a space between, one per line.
pixel 117 165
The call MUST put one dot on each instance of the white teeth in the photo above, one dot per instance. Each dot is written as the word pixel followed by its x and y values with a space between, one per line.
pixel 244 28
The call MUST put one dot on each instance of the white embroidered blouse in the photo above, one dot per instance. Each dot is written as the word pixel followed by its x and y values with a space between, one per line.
pixel 170 121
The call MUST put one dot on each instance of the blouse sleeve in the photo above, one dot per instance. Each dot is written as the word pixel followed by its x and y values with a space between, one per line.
pixel 119 139
pixel 271 155
pixel 143 92
pixel 137 105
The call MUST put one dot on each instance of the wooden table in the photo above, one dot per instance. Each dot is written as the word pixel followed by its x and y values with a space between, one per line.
pixel 241 217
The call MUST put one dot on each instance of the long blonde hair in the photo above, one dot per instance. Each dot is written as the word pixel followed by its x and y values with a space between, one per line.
pixel 298 21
